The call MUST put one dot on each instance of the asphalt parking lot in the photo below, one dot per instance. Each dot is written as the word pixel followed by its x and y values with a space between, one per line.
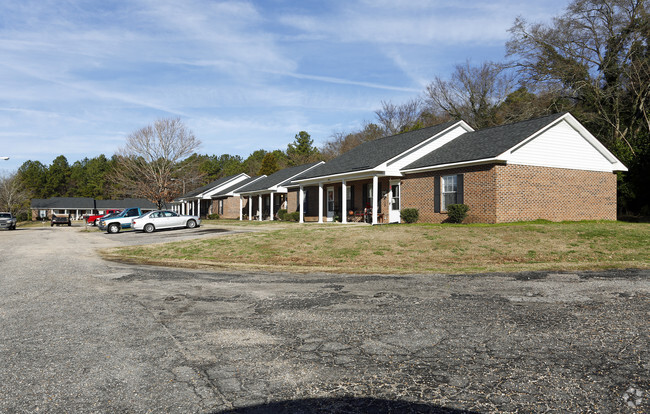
pixel 78 334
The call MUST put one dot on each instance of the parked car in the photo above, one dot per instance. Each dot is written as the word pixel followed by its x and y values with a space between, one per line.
pixel 60 219
pixel 114 224
pixel 162 219
pixel 93 219
pixel 7 221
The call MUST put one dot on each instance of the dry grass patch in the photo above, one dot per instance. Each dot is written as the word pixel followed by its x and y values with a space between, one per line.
pixel 411 248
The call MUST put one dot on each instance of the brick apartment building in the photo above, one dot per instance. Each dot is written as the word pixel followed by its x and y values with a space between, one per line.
pixel 548 168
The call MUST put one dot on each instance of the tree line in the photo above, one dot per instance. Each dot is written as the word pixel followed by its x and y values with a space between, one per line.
pixel 593 60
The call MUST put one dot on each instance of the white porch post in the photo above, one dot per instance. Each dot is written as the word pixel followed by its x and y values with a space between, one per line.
pixel 344 202
pixel 260 207
pixel 375 184
pixel 271 205
pixel 198 207
pixel 301 202
pixel 241 208
pixel 250 208
pixel 320 202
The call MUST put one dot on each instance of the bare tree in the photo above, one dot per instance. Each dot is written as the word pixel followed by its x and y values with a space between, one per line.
pixel 473 93
pixel 597 54
pixel 13 196
pixel 398 118
pixel 149 165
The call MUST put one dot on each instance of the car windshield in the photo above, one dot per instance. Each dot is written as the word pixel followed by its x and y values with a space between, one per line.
pixel 5 215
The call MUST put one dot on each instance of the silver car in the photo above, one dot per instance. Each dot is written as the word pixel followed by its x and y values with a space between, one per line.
pixel 7 221
pixel 163 219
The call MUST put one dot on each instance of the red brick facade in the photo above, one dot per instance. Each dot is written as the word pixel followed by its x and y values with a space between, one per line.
pixel 506 193
pixel 556 194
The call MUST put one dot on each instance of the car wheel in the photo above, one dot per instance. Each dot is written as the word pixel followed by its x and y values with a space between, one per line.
pixel 114 228
pixel 148 228
pixel 51 224
pixel 191 224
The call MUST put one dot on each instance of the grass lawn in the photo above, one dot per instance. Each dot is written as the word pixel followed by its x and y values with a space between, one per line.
pixel 400 249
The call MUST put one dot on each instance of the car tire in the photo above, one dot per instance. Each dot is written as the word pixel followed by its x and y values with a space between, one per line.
pixel 191 224
pixel 113 228
pixel 148 228
pixel 51 224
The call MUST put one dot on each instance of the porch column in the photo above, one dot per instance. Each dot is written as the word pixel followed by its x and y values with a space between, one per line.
pixel 301 203
pixel 375 184
pixel 241 208
pixel 198 207
pixel 250 208
pixel 260 208
pixel 320 202
pixel 344 202
pixel 271 206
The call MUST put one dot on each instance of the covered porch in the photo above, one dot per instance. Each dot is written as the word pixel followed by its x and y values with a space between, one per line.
pixel 373 199
pixel 262 205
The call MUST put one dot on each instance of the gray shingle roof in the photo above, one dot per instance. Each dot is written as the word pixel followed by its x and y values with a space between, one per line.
pixel 373 153
pixel 86 203
pixel 235 187
pixel 63 202
pixel 207 187
pixel 483 144
pixel 276 178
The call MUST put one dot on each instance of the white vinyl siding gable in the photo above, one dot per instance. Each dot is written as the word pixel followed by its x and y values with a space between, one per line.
pixel 561 146
pixel 405 159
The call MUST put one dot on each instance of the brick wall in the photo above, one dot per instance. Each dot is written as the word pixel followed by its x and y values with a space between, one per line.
pixel 506 193
pixel 479 193
pixel 556 194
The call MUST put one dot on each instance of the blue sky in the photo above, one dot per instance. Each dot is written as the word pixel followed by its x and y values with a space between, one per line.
pixel 76 77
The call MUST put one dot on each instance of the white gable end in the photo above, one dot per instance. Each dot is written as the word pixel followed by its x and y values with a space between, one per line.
pixel 562 146
pixel 410 156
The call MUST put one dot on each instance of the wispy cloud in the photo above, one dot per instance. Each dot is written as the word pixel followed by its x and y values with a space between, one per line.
pixel 78 76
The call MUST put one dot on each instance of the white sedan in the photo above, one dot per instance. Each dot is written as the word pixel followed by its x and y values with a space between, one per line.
pixel 162 219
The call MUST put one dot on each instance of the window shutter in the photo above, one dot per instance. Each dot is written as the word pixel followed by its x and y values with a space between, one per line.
pixel 436 194
pixel 460 189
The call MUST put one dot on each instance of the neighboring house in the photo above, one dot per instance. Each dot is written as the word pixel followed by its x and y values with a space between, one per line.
pixel 77 207
pixel 546 168
pixel 227 202
pixel 199 201
pixel 265 196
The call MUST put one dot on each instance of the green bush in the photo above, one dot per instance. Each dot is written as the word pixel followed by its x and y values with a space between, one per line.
pixel 457 212
pixel 410 215
pixel 214 216
pixel 282 214
pixel 295 216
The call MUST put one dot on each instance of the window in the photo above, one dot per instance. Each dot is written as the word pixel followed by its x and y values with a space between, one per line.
pixel 349 195
pixel 395 196
pixel 449 190
pixel 220 207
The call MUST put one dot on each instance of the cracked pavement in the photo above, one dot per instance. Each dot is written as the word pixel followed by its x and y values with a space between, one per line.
pixel 78 334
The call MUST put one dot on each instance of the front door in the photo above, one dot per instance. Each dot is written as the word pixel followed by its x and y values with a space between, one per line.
pixel 330 203
pixel 394 210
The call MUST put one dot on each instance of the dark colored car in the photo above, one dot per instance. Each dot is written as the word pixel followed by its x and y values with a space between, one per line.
pixel 60 219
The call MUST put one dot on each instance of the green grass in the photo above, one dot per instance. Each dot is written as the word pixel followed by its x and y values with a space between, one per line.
pixel 419 248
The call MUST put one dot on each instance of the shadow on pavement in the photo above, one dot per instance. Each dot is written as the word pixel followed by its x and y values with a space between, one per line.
pixel 344 405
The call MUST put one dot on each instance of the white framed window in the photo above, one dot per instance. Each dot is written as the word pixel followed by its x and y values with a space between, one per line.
pixel 449 191
pixel 220 207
